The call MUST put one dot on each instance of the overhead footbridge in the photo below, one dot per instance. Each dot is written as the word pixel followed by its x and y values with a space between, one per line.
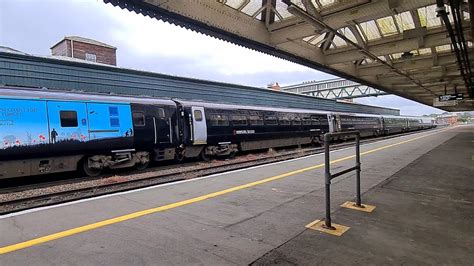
pixel 419 50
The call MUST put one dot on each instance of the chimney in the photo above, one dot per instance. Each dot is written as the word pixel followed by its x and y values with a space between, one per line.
pixel 274 86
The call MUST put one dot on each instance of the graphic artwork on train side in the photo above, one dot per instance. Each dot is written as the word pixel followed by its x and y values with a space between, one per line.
pixel 45 125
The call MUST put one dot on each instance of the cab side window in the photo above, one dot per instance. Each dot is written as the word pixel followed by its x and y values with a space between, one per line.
pixel 138 119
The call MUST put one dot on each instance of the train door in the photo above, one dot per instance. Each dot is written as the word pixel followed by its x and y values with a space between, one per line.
pixel 162 126
pixel 199 125
pixel 67 122
pixel 109 121
pixel 334 122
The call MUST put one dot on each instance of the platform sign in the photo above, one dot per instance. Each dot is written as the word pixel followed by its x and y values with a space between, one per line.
pixel 451 97
pixel 438 103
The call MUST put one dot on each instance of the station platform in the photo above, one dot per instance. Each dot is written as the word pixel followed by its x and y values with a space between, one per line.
pixel 420 184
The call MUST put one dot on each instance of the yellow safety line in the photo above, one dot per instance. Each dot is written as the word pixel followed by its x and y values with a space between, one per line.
pixel 85 228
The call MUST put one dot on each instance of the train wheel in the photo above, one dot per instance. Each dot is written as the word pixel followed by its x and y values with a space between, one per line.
pixel 204 156
pixel 232 154
pixel 141 166
pixel 92 172
pixel 179 157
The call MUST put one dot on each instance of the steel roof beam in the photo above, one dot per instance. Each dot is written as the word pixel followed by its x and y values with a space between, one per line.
pixel 362 13
pixel 395 45
pixel 217 15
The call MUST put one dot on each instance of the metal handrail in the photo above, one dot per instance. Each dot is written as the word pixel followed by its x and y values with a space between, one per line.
pixel 328 176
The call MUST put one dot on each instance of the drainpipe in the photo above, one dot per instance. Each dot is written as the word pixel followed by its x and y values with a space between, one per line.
pixel 72 48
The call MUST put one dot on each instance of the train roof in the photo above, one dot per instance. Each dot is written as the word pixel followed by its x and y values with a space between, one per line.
pixel 248 107
pixel 47 94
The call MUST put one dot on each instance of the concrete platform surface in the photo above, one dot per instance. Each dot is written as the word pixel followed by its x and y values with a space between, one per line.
pixel 258 214
pixel 424 215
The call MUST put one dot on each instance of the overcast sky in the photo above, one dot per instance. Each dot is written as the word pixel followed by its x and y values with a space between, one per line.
pixel 33 26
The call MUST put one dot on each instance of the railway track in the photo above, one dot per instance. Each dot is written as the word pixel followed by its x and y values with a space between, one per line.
pixel 29 196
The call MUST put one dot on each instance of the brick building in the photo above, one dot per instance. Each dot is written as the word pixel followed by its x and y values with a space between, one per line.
pixel 85 49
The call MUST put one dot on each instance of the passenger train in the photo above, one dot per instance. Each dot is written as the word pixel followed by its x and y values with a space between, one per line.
pixel 44 131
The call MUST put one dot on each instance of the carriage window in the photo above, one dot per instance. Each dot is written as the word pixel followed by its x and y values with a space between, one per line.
pixel 284 120
pixel 113 111
pixel 161 113
pixel 219 120
pixel 271 120
pixel 296 120
pixel 256 120
pixel 114 122
pixel 197 115
pixel 306 121
pixel 314 120
pixel 239 120
pixel 68 118
pixel 138 119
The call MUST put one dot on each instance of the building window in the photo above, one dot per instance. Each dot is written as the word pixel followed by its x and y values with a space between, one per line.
pixel 68 118
pixel 138 119
pixel 91 57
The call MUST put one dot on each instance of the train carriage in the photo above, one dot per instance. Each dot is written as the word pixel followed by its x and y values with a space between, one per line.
pixel 48 131
pixel 367 125
pixel 221 129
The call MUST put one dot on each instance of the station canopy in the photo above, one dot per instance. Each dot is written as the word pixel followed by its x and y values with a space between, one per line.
pixel 419 49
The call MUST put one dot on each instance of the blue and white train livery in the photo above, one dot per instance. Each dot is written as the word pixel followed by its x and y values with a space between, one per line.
pixel 44 131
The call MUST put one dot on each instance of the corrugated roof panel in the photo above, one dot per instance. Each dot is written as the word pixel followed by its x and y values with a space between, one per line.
pixel 466 15
pixel 234 3
pixel 387 26
pixel 396 56
pixel 317 41
pixel 252 7
pixel 443 48
pixel 315 3
pixel 424 51
pixel 325 3
pixel 348 33
pixel 299 3
pixel 450 14
pixel 281 8
pixel 428 16
pixel 405 21
pixel 369 30
pixel 338 42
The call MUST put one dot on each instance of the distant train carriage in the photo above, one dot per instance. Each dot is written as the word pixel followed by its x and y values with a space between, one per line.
pixel 394 124
pixel 367 125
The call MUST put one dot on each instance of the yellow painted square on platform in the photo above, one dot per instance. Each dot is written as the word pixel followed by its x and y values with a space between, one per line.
pixel 318 226
pixel 352 205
